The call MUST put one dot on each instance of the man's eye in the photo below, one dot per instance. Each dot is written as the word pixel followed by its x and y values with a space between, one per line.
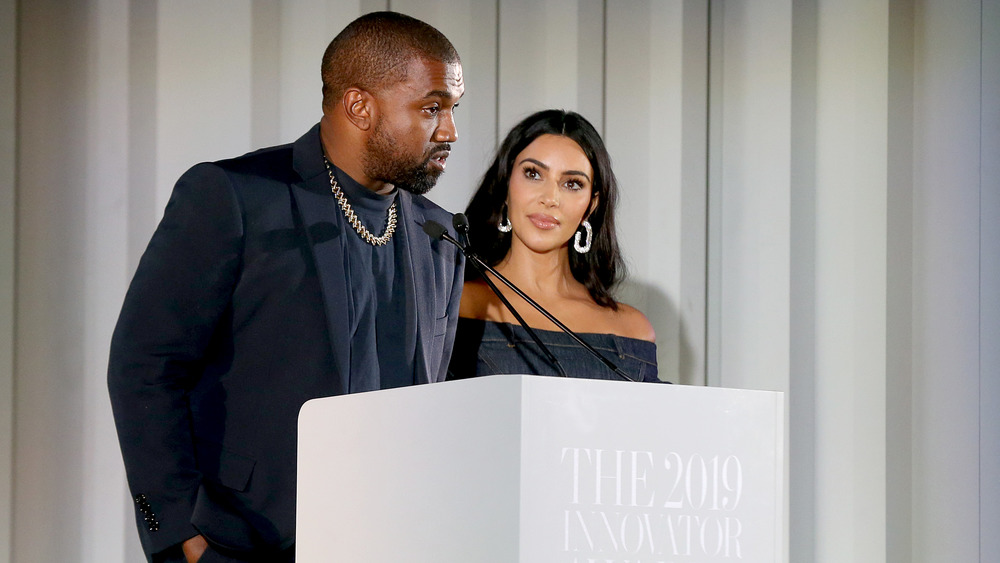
pixel 432 110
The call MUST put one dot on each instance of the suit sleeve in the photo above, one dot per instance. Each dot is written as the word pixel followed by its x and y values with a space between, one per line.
pixel 182 287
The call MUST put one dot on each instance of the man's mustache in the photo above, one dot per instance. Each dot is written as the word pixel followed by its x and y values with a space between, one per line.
pixel 439 148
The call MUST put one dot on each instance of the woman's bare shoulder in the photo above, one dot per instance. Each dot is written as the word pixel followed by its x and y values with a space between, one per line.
pixel 477 299
pixel 633 323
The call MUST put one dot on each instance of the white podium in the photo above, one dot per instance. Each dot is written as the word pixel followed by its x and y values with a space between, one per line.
pixel 542 470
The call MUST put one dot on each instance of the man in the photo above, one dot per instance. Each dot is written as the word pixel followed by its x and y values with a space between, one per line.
pixel 286 274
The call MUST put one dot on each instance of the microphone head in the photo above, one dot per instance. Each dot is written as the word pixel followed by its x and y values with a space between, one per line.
pixel 460 222
pixel 434 229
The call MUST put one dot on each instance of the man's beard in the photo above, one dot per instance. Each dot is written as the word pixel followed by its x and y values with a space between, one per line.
pixel 384 161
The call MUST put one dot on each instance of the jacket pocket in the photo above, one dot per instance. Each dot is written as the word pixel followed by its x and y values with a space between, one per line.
pixel 222 466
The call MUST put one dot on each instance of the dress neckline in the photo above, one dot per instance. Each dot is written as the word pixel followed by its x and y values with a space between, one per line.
pixel 518 327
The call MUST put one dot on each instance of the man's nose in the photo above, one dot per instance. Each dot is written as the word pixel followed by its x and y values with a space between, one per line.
pixel 447 131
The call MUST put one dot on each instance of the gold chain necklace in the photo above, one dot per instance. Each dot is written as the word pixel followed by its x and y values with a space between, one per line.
pixel 352 218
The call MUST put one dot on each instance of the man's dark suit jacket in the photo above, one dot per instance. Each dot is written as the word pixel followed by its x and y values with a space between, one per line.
pixel 238 314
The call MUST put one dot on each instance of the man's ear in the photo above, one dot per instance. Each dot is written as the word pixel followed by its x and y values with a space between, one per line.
pixel 359 106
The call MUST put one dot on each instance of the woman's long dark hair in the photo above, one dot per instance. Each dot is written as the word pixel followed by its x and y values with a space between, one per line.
pixel 598 270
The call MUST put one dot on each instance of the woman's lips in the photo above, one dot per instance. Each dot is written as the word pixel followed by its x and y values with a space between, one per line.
pixel 543 221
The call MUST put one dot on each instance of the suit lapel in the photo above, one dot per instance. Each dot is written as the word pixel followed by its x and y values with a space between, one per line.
pixel 317 208
pixel 421 272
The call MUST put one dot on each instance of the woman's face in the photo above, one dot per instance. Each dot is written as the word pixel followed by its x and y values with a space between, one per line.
pixel 549 193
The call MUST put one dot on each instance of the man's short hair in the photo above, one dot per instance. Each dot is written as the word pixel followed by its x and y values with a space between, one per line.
pixel 374 51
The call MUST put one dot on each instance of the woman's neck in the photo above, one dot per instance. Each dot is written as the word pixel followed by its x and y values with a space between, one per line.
pixel 541 274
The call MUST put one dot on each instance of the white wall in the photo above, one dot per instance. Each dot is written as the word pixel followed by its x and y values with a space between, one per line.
pixel 989 367
pixel 654 124
pixel 8 142
pixel 947 293
pixel 71 271
pixel 853 263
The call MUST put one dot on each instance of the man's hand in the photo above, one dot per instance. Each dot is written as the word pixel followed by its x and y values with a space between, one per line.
pixel 194 548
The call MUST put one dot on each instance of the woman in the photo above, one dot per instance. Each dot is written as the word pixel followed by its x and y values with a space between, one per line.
pixel 543 217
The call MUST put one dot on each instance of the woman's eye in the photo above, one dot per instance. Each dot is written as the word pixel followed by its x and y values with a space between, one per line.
pixel 531 173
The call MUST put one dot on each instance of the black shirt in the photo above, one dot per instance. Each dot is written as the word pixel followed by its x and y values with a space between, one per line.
pixel 382 325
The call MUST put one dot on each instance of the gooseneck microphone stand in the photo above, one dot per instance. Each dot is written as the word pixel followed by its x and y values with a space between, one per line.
pixel 437 231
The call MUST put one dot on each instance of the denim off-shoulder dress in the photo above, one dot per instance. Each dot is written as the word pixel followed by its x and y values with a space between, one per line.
pixel 491 348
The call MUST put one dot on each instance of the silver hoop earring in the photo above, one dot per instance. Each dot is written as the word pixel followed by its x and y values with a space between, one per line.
pixel 504 225
pixel 585 248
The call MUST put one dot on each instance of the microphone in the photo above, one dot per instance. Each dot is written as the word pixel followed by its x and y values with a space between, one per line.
pixel 437 231
pixel 461 224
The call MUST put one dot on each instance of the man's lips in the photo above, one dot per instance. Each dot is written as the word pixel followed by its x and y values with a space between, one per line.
pixel 543 221
pixel 438 159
